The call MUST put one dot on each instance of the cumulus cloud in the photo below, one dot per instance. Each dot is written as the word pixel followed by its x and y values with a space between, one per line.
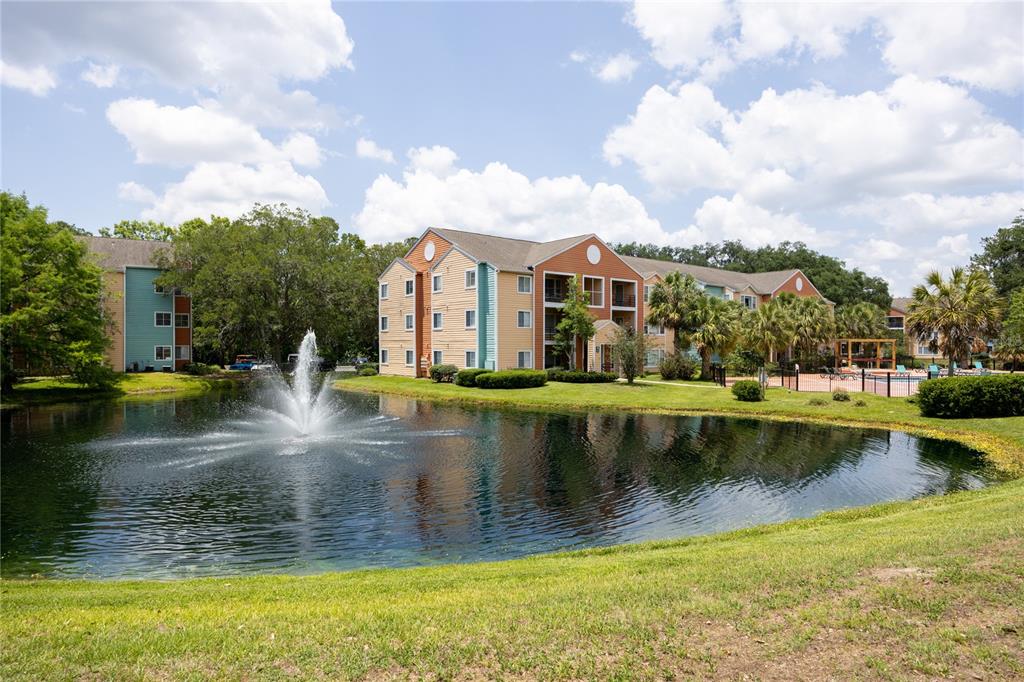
pixel 102 76
pixel 433 190
pixel 739 219
pixel 368 149
pixel 37 80
pixel 618 68
pixel 919 212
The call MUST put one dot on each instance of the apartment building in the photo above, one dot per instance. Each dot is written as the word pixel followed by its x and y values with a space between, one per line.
pixel 476 300
pixel 151 326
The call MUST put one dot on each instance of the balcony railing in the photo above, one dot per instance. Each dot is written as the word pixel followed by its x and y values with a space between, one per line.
pixel 624 300
pixel 554 295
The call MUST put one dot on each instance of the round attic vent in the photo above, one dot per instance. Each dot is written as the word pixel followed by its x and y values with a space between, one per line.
pixel 428 251
pixel 799 283
pixel 593 254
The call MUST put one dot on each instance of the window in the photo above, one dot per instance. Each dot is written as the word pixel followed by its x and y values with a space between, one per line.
pixel 438 357
pixel 470 319
pixel 383 323
pixel 161 319
pixel 470 358
pixel 410 358
pixel 437 286
pixel 749 302
pixel 524 319
pixel 524 359
pixel 524 285
pixel 181 319
pixel 895 323
pixel 162 352
pixel 654 329
pixel 438 320
pixel 383 356
pixel 409 321
pixel 647 292
pixel 471 279
pixel 654 357
pixel 157 289
pixel 409 287
pixel 182 352
pixel 593 289
pixel 384 290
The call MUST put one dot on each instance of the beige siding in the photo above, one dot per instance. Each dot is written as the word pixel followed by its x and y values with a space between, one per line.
pixel 397 340
pixel 512 339
pixel 113 306
pixel 453 340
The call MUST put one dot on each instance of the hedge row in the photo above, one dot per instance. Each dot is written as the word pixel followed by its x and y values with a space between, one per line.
pixel 467 377
pixel 577 376
pixel 512 378
pixel 443 373
pixel 1000 395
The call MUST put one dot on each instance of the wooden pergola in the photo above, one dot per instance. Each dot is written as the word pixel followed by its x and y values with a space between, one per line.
pixel 844 349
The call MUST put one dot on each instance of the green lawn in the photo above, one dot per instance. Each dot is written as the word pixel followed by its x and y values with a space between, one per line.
pixel 1001 439
pixel 41 390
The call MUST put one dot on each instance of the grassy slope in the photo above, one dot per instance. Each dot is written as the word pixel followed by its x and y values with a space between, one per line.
pixel 1001 439
pixel 38 391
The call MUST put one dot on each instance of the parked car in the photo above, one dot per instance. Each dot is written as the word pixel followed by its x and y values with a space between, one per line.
pixel 243 362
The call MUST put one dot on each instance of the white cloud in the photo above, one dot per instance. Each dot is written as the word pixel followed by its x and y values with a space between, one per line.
pixel 102 76
pixel 73 109
pixel 618 68
pixel 958 245
pixel 302 149
pixel 738 219
pixel 499 200
pixel 228 189
pixel 922 212
pixel 37 80
pixel 368 149
pixel 682 35
pixel 578 57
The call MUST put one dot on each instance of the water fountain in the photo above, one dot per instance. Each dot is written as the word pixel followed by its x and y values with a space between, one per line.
pixel 303 407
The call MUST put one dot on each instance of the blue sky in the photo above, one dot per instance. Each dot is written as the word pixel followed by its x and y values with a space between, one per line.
pixel 887 135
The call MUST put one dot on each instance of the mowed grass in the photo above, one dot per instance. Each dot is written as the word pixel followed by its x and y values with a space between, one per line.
pixel 41 390
pixel 933 587
pixel 1002 439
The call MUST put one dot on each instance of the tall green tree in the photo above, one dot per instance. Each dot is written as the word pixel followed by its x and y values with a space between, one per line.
pixel 576 322
pixel 1010 346
pixel 51 293
pixel 139 229
pixel 714 329
pixel 770 328
pixel 955 311
pixel 670 304
pixel 1002 257
pixel 630 352
pixel 861 321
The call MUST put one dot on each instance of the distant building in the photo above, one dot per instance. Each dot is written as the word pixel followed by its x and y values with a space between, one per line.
pixel 152 327
pixel 476 300
pixel 913 346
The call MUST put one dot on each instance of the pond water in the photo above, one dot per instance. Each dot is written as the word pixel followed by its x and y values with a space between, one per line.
pixel 194 487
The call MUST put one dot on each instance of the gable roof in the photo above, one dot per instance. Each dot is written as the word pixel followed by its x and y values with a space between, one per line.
pixel 901 303
pixel 117 254
pixel 397 261
pixel 760 282
pixel 506 253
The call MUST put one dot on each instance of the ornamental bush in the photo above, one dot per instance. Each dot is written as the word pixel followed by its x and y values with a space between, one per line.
pixel 748 391
pixel 443 373
pixel 553 371
pixel 367 372
pixel 577 376
pixel 90 368
pixel 513 378
pixel 467 377
pixel 677 366
pixel 200 368
pixel 965 397
pixel 840 395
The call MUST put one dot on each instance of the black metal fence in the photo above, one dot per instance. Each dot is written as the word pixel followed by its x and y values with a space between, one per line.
pixel 888 384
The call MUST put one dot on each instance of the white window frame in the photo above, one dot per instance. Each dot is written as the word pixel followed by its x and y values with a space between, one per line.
pixel 529 319
pixel 529 359
pixel 465 317
pixel 170 318
pixel 159 290
pixel 584 284
pixel 186 353
pixel 659 329
pixel 529 284
pixel 384 323
pixel 434 317
pixel 437 356
pixel 466 278
pixel 384 291
pixel 753 299
pixel 410 322
pixel 188 320
pixel 468 363
pixel 647 292
pixel 383 356
pixel 410 290
pixel 156 353
pixel 436 284
pixel 410 357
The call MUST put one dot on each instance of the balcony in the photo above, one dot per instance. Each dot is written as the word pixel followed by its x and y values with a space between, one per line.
pixel 623 300
pixel 551 320
pixel 555 288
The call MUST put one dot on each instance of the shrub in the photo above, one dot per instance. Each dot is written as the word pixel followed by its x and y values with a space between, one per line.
pixel 630 352
pixel 840 395
pixel 980 396
pixel 443 373
pixel 201 368
pixel 743 362
pixel 859 403
pixel 817 402
pixel 577 376
pixel 513 378
pixel 554 371
pixel 89 368
pixel 467 377
pixel 748 391
pixel 367 372
pixel 677 366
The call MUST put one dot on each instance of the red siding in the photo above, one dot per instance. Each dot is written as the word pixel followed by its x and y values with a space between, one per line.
pixel 423 287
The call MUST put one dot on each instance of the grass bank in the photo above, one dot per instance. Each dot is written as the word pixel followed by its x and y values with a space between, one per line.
pixel 1002 439
pixel 932 587
pixel 47 390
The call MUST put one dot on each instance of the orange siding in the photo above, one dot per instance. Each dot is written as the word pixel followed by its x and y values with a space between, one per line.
pixel 789 286
pixel 418 260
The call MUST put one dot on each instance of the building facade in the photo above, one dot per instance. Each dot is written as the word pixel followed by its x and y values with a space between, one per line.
pixel 151 328
pixel 475 300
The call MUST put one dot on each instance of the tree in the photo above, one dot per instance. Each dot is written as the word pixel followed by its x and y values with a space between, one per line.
pixel 1002 257
pixel 630 352
pixel 50 299
pixel 955 311
pixel 670 303
pixel 576 322
pixel 715 329
pixel 813 322
pixel 770 328
pixel 1010 346
pixel 139 229
pixel 861 321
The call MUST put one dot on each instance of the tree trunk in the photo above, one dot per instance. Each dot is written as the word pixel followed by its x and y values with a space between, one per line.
pixel 705 364
pixel 677 340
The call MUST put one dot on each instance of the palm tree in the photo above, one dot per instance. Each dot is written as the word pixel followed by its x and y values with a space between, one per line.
pixel 955 311
pixel 715 325
pixel 1010 346
pixel 861 321
pixel 770 328
pixel 814 323
pixel 670 303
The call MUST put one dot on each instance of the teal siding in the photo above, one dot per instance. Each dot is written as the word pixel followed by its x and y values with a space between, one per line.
pixel 141 335
pixel 486 316
pixel 714 291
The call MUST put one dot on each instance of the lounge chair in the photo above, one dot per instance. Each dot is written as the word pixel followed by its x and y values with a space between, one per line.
pixel 934 369
pixel 900 369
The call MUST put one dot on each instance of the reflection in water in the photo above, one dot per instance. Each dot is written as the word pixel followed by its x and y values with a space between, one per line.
pixel 202 486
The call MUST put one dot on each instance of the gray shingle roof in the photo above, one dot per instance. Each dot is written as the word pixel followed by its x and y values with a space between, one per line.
pixel 759 282
pixel 902 304
pixel 117 254
pixel 506 253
